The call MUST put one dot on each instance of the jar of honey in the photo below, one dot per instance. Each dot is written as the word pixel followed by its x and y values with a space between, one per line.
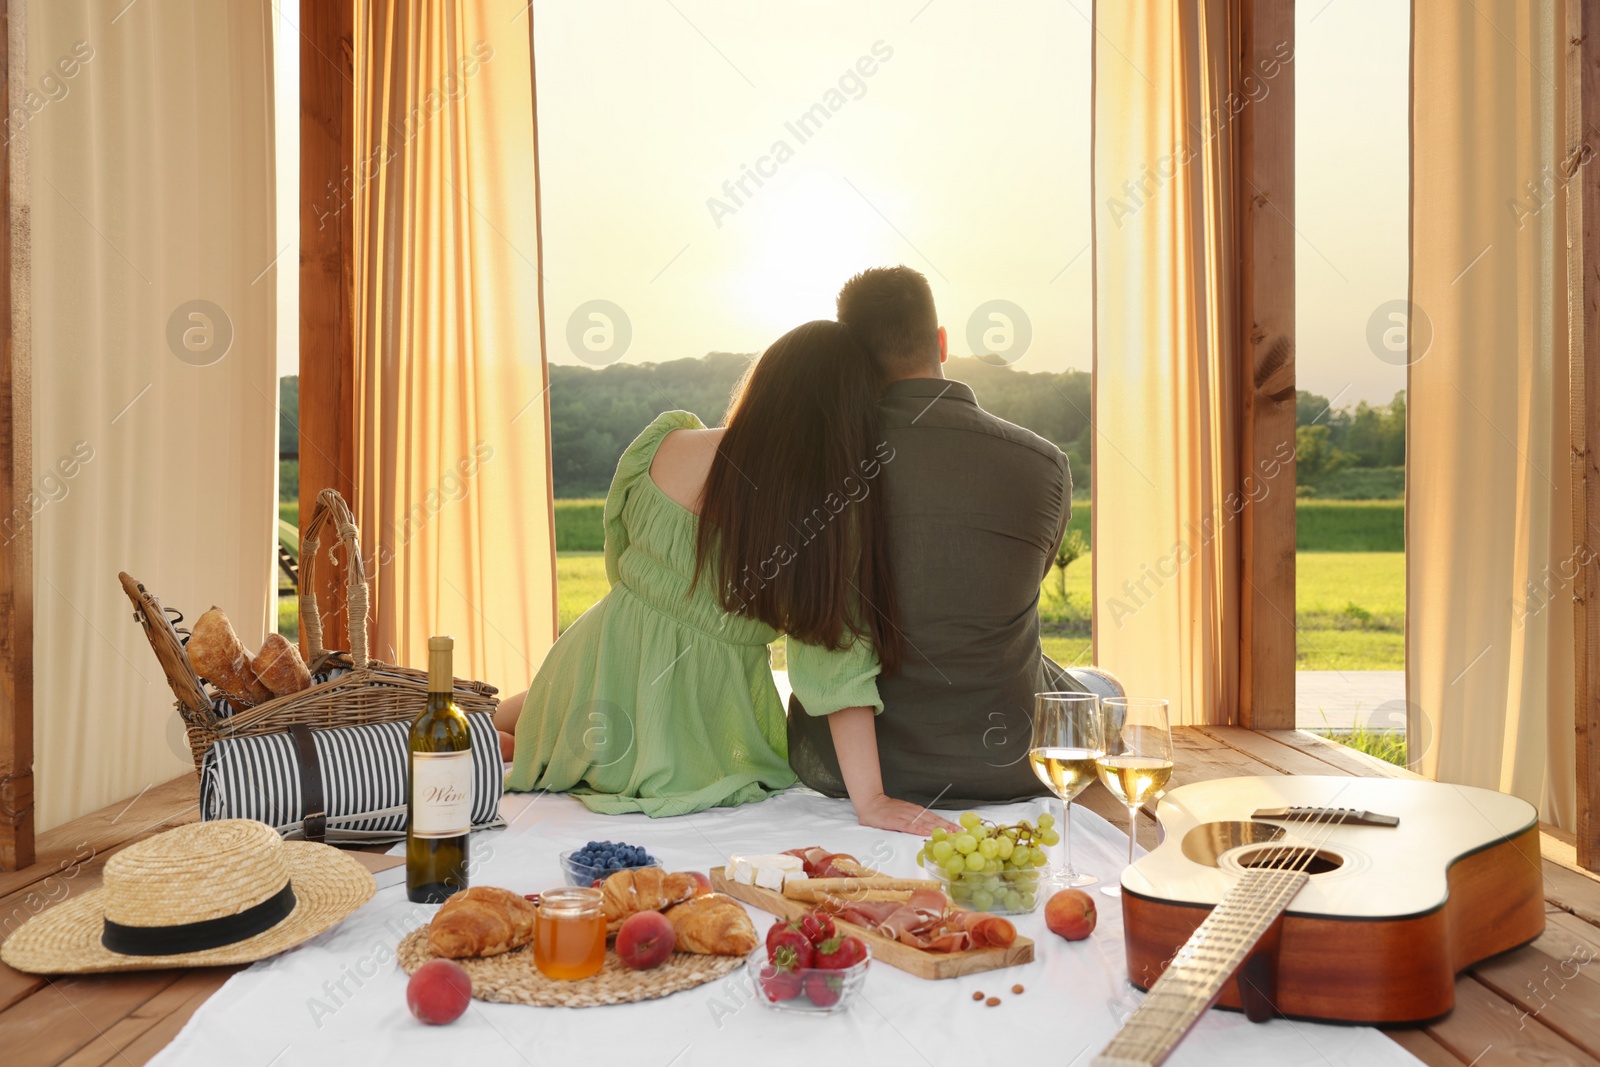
pixel 569 934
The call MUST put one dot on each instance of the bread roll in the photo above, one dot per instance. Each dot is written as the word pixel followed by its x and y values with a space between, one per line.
pixel 713 925
pixel 481 921
pixel 217 655
pixel 280 667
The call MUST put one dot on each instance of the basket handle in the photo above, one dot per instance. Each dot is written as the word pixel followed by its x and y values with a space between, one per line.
pixel 331 507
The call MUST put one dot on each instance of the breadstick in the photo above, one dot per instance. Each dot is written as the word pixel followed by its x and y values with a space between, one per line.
pixel 806 888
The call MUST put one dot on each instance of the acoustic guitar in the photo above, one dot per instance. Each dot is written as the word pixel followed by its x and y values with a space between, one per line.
pixel 1351 900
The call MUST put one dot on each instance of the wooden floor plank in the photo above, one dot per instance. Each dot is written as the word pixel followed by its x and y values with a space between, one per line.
pixel 1422 1045
pixel 162 805
pixel 70 1014
pixel 1342 756
pixel 144 1047
pixel 147 1030
pixel 1285 759
pixel 1488 1031
pixel 1555 980
pixel 1572 891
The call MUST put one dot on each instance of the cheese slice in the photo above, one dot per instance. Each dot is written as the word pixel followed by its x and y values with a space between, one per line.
pixel 740 870
pixel 771 871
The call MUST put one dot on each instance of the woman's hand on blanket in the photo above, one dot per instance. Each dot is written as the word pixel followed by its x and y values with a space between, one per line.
pixel 886 813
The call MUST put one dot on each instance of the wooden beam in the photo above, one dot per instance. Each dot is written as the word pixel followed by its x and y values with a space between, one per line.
pixel 16 483
pixel 327 279
pixel 1583 323
pixel 1265 206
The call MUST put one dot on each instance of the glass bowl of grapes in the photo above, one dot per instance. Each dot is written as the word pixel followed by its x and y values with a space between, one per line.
pixel 988 867
pixel 598 860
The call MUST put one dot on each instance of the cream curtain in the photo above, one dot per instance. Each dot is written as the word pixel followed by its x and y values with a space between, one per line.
pixel 1165 403
pixel 148 140
pixel 454 488
pixel 1489 653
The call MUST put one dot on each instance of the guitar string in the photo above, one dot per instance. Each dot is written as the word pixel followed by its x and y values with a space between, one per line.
pixel 1262 902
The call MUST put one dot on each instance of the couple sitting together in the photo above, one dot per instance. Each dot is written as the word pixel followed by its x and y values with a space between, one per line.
pixel 863 506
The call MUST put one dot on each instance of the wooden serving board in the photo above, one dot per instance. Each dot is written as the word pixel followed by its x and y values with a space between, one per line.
pixel 902 957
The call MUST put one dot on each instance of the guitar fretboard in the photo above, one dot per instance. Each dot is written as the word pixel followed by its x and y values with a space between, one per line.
pixel 1194 978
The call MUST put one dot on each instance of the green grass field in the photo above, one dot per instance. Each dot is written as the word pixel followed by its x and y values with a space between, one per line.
pixel 1320 525
pixel 1350 607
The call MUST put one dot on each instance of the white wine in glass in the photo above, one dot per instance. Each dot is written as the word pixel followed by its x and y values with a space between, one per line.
pixel 1066 743
pixel 1137 763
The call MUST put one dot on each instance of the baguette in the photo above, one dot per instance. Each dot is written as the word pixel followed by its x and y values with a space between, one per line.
pixel 280 667
pixel 217 655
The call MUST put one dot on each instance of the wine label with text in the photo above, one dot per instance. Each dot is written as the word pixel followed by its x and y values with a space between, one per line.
pixel 441 794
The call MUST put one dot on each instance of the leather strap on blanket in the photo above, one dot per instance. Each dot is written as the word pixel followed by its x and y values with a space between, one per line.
pixel 315 817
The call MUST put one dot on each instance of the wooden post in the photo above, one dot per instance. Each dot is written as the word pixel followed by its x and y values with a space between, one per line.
pixel 327 278
pixel 16 481
pixel 1265 204
pixel 1582 180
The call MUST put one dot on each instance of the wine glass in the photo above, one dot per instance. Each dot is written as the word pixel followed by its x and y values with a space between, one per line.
pixel 1066 743
pixel 1138 758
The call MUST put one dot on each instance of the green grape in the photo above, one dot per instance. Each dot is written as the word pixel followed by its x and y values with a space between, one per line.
pixel 1050 837
pixel 1013 900
pixel 1027 901
pixel 1022 856
pixel 943 850
pixel 965 843
pixel 969 819
pixel 1038 858
pixel 960 893
pixel 1046 820
pixel 955 865
pixel 983 900
pixel 1005 847
pixel 988 848
pixel 975 861
pixel 939 835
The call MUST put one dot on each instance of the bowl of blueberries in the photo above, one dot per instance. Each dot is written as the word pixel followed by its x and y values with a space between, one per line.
pixel 597 860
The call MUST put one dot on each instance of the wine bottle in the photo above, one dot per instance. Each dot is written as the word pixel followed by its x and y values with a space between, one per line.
pixel 439 797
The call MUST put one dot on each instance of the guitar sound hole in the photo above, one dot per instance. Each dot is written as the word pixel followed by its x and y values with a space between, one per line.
pixel 1288 857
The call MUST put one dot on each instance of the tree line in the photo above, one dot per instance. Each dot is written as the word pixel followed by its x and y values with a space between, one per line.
pixel 595 414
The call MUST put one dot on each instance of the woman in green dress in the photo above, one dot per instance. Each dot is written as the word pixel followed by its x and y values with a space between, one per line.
pixel 660 698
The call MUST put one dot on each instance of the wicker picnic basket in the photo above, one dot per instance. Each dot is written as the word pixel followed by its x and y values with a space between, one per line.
pixel 361 690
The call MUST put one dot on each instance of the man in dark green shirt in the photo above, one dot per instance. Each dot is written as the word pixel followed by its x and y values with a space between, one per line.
pixel 977 508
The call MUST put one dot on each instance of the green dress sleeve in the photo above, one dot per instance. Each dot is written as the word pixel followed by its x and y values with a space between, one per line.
pixel 634 465
pixel 826 682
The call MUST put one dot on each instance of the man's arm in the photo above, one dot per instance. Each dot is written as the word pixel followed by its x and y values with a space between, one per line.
pixel 1066 515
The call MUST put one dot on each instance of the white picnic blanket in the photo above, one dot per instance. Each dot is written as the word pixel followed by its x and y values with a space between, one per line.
pixel 340 998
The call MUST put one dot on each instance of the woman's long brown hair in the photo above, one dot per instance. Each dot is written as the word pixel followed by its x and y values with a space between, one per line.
pixel 791 518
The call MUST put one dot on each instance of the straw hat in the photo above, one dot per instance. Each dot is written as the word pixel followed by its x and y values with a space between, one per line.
pixel 229 891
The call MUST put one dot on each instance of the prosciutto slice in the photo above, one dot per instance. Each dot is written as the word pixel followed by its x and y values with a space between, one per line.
pixel 929 922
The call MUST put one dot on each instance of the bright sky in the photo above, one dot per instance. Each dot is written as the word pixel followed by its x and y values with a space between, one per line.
pixel 964 153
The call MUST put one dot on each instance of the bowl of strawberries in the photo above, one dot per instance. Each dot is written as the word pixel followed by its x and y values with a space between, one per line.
pixel 808 965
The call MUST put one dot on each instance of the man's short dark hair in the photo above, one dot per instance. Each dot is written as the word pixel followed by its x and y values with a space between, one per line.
pixel 891 312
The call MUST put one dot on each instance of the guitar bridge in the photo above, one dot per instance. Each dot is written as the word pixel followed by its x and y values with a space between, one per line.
pixel 1330 816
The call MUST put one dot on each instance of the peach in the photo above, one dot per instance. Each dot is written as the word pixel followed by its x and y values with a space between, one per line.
pixel 1070 913
pixel 702 881
pixel 439 991
pixel 645 940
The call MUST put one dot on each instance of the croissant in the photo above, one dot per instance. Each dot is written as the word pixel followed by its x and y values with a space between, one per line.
pixel 217 655
pixel 713 925
pixel 481 921
pixel 638 889
pixel 280 667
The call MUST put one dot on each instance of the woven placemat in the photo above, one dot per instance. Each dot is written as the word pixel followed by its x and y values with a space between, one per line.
pixel 511 978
